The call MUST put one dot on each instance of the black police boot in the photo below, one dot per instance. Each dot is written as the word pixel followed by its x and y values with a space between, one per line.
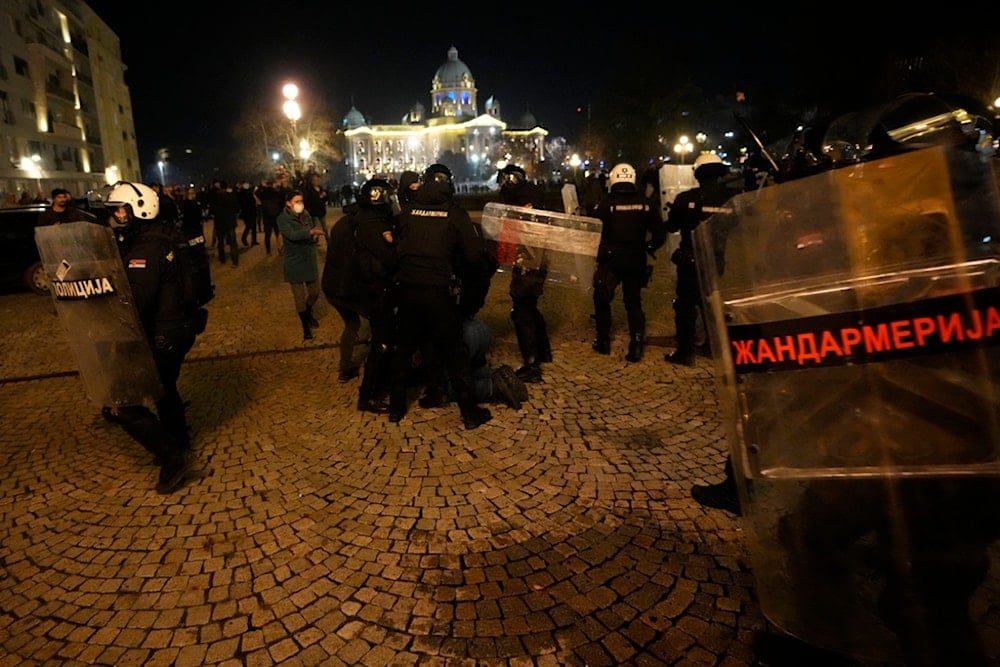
pixel 373 405
pixel 723 496
pixel 313 322
pixel 306 332
pixel 531 372
pixel 474 416
pixel 434 397
pixel 174 472
pixel 680 357
pixel 397 405
pixel 601 345
pixel 635 348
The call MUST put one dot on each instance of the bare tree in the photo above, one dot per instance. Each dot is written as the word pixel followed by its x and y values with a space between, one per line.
pixel 266 140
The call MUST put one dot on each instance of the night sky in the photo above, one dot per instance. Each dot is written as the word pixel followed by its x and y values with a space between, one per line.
pixel 190 71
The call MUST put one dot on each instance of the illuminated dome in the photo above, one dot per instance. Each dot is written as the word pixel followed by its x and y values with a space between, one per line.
pixel 354 119
pixel 453 91
pixel 453 73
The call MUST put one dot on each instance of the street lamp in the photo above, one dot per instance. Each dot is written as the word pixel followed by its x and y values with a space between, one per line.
pixel 575 162
pixel 293 112
pixel 683 147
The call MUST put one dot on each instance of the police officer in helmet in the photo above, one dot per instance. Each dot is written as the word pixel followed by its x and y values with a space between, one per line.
pixel 155 280
pixel 375 251
pixel 691 208
pixel 438 242
pixel 526 284
pixel 631 229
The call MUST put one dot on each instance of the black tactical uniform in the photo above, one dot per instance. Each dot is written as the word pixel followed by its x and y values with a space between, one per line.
pixel 526 284
pixel 631 228
pixel 157 290
pixel 437 242
pixel 689 209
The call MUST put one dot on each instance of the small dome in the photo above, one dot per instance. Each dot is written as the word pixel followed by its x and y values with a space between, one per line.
pixel 354 119
pixel 527 121
pixel 453 73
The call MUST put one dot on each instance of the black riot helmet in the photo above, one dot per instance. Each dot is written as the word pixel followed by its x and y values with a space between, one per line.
pixel 439 177
pixel 376 192
pixel 511 176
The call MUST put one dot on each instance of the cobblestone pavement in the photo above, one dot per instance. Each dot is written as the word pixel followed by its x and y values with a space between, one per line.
pixel 559 534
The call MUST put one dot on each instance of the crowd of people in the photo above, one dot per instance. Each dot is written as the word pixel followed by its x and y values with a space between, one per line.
pixel 402 257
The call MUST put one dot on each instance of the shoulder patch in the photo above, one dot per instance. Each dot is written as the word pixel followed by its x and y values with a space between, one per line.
pixel 137 263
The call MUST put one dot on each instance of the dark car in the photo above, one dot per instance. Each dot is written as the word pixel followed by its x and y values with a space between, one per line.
pixel 20 265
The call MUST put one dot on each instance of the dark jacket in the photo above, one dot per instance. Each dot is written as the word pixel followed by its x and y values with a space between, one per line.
pixel 360 258
pixel 271 201
pixel 631 227
pixel 225 208
pixel 248 205
pixel 437 239
pixel 191 218
pixel 340 282
pixel 157 290
pixel 301 262
pixel 314 197
pixel 72 214
pixel 692 207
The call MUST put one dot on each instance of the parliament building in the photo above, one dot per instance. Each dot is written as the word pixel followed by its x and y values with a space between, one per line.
pixel 454 133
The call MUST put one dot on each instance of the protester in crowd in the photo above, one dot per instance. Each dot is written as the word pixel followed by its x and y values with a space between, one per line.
pixel 248 214
pixel 63 210
pixel 301 263
pixel 225 207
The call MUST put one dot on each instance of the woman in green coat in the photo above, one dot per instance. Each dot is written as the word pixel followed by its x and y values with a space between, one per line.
pixel 301 264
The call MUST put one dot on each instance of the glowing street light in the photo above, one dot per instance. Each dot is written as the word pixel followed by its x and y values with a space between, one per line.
pixel 683 147
pixel 293 112
pixel 291 107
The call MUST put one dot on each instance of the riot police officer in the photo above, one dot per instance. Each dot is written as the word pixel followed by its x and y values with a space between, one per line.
pixel 631 229
pixel 691 208
pixel 156 283
pixel 438 242
pixel 526 284
pixel 375 250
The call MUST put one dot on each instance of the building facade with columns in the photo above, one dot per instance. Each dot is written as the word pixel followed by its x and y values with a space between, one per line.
pixel 454 132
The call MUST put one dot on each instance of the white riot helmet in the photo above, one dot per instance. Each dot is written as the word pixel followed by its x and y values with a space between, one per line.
pixel 142 200
pixel 621 173
pixel 711 166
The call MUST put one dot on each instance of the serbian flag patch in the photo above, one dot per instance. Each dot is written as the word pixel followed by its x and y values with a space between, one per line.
pixel 137 263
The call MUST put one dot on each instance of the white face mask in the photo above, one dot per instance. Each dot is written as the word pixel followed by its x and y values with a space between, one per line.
pixel 298 208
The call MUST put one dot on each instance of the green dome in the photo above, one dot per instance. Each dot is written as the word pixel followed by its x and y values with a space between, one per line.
pixel 453 73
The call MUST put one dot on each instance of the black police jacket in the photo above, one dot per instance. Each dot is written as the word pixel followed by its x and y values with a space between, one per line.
pixel 631 227
pixel 438 241
pixel 155 280
pixel 692 207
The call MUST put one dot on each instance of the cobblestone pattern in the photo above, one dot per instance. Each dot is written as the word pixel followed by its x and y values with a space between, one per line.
pixel 559 534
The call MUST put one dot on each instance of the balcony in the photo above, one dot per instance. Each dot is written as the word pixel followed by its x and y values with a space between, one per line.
pixel 64 130
pixel 56 90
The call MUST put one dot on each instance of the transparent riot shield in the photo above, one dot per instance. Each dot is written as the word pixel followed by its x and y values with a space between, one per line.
pixel 571 202
pixel 673 179
pixel 858 322
pixel 94 303
pixel 564 245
